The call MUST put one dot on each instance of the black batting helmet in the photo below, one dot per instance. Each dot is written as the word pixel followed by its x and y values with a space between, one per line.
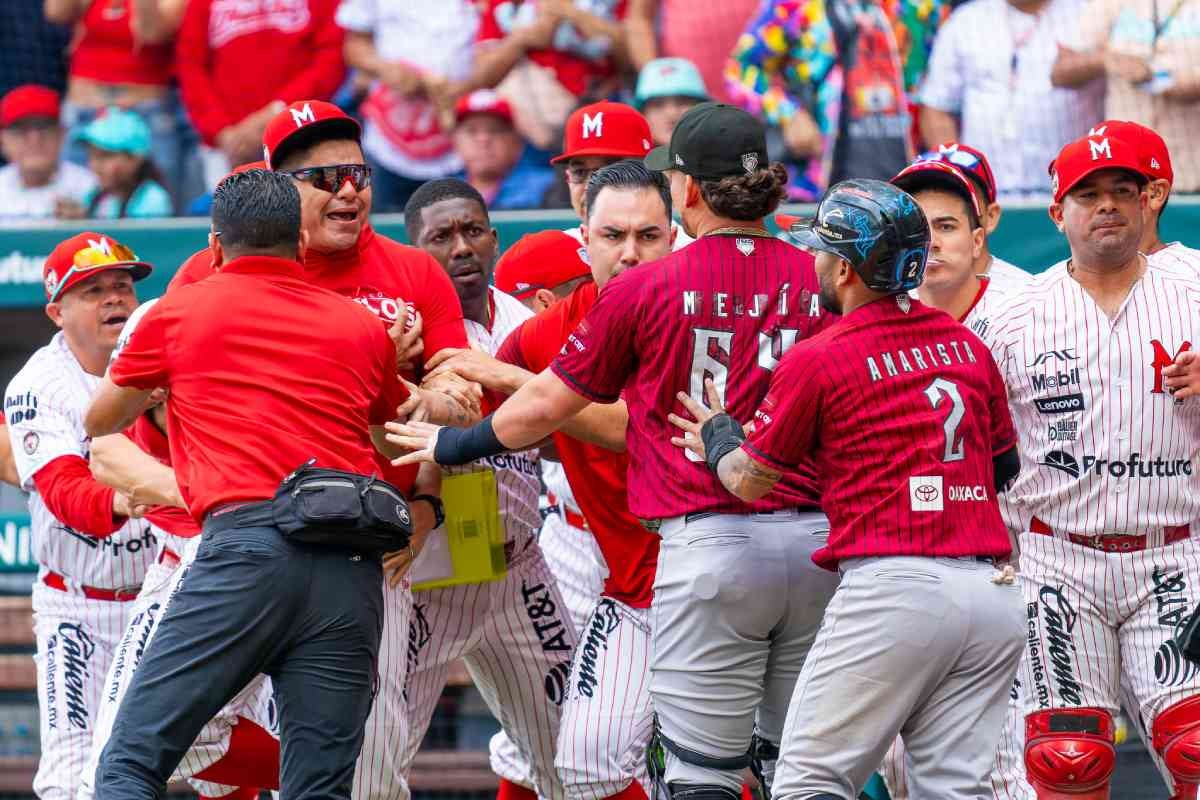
pixel 879 229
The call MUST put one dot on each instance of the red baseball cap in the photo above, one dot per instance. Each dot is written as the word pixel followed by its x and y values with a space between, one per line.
pixel 941 175
pixel 1156 159
pixel 483 101
pixel 972 162
pixel 541 260
pixel 612 130
pixel 84 255
pixel 307 115
pixel 1092 153
pixel 29 100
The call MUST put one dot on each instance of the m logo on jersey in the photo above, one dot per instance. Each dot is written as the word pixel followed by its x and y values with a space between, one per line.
pixel 1163 359
pixel 1066 354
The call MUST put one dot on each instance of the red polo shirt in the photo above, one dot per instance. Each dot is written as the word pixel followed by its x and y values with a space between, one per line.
pixel 265 372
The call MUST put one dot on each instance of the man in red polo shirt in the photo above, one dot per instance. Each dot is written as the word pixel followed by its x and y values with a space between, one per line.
pixel 255 600
pixel 236 748
pixel 318 145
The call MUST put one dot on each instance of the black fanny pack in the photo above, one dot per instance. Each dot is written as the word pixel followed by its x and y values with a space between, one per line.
pixel 342 509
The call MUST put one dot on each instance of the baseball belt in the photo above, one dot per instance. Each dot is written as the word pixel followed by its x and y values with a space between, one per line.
pixel 1115 542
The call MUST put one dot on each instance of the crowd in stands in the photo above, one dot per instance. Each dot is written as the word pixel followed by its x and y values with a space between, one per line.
pixel 136 108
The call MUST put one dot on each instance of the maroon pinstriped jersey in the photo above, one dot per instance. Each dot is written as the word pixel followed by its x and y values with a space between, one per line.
pixel 725 307
pixel 904 409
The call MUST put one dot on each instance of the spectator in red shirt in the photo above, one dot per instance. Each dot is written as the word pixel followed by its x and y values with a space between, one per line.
pixel 543 57
pixel 121 56
pixel 223 42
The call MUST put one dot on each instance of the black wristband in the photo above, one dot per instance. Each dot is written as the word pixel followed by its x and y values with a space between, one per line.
pixel 457 446
pixel 439 508
pixel 721 435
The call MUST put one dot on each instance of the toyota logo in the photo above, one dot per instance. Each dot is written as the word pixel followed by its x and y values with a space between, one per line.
pixel 926 493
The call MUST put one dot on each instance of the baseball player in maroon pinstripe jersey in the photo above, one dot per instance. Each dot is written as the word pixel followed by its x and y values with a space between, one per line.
pixel 737 599
pixel 904 409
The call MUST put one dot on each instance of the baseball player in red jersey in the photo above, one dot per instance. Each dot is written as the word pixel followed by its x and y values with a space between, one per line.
pixel 91 555
pixel 1107 492
pixel 904 411
pixel 318 145
pixel 607 720
pixel 737 599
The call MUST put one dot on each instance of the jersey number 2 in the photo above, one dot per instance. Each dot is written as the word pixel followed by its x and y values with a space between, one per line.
pixel 935 392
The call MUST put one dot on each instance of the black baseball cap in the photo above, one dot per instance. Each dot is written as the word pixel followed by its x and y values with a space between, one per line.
pixel 713 141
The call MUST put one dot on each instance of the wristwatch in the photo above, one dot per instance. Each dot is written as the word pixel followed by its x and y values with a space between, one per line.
pixel 439 509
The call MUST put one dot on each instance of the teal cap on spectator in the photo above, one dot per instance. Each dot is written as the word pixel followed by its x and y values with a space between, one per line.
pixel 669 77
pixel 118 130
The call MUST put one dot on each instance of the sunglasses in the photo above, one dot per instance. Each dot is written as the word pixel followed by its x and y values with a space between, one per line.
pixel 332 178
pixel 101 255
pixel 974 165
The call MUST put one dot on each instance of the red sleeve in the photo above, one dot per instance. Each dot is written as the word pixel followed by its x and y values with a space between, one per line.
pixel 393 392
pixel 600 354
pixel 197 267
pixel 438 303
pixel 75 498
pixel 142 363
pixel 1003 433
pixel 325 70
pixel 537 341
pixel 785 424
pixel 205 105
pixel 488 27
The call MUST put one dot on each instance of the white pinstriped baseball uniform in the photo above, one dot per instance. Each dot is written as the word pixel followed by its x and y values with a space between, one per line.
pixel 515 635
pixel 1178 259
pixel 1005 281
pixel 574 558
pixel 1104 451
pixel 1006 277
pixel 76 636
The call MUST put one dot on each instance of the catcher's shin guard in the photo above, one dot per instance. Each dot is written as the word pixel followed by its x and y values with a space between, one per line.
pixel 1176 737
pixel 1069 753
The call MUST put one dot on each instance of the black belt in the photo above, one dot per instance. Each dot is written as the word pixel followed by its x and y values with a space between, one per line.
pixel 240 515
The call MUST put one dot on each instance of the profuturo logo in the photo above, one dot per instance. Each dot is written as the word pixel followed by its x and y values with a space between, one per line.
pixel 1129 467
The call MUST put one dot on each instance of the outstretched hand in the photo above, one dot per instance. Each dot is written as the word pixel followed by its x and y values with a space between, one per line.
pixel 419 438
pixel 691 428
